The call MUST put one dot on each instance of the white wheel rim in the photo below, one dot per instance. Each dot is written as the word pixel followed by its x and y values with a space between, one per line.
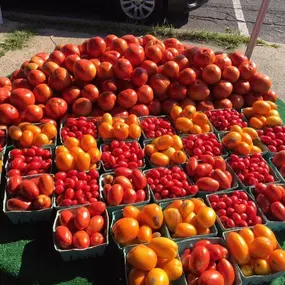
pixel 137 9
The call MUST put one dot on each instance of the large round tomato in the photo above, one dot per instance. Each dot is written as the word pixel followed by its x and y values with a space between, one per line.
pixel 247 70
pixel 199 259
pixel 177 91
pixel 204 56
pixel 70 94
pixel 33 113
pixel 36 77
pixel 110 56
pixel 154 107
pixel 49 67
pixel 222 89
pixel 127 98
pixel 105 71
pixel 8 114
pixel 211 277
pixel 139 76
pixel 106 100
pixel 55 108
pixel 109 85
pixel 170 69
pixel 5 81
pixel 153 53
pixel 70 60
pixel 42 93
pixel 145 94
pixel 82 107
pixel 21 83
pixel 21 98
pixel 69 49
pixel 120 45
pixel 84 70
pixel 187 76
pixel 96 47
pixel 109 39
pixel 4 95
pixel 159 84
pixel 222 61
pixel 90 92
pixel 211 74
pixel 260 83
pixel 57 57
pixel 123 68
pixel 150 67
pixel 63 237
pixel 182 61
pixel 198 91
pixel 238 58
pixel 135 54
pixel 140 110
pixel 190 52
pixel 241 87
pixel 60 79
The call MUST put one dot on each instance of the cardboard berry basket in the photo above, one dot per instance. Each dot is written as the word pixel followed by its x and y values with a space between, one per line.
pixel 256 142
pixel 165 117
pixel 112 169
pixel 51 149
pixel 128 268
pixel 213 229
pixel 221 227
pixel 275 169
pixel 189 243
pixel 255 279
pixel 116 215
pixel 168 199
pixel 273 224
pixel 224 153
pixel 225 131
pixel 62 124
pixel 76 253
pixel 30 216
pixel 247 187
pixel 111 209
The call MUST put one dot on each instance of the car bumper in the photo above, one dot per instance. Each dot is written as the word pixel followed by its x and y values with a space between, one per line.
pixel 184 5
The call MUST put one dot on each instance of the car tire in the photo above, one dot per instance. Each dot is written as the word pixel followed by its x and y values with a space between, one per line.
pixel 146 11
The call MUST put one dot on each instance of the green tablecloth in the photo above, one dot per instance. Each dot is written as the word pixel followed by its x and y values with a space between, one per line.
pixel 27 256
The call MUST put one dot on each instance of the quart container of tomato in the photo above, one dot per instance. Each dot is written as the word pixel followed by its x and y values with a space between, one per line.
pixel 76 127
pixel 30 205
pixel 271 201
pixel 169 183
pixel 29 161
pixel 69 253
pixel 223 119
pixel 219 258
pixel 126 153
pixel 251 170
pixel 235 210
pixel 156 126
pixel 168 271
pixel 137 224
pixel 186 219
pixel 258 254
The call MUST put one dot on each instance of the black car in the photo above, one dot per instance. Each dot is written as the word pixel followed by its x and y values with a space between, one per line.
pixel 153 9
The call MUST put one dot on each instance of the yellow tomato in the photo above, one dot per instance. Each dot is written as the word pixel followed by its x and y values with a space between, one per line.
pixel 71 142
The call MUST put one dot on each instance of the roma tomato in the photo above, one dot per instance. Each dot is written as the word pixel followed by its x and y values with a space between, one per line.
pixel 15 204
pixel 207 184
pixel 199 260
pixel 215 252
pixel 46 184
pixel 96 239
pixel 278 211
pixel 65 217
pixel 138 179
pixel 63 237
pixel 263 231
pixel 29 190
pixel 95 225
pixel 211 277
pixel 81 240
pixel 64 161
pixel 96 208
pixel 81 218
pixel 277 260
pixel 222 178
pixel 227 271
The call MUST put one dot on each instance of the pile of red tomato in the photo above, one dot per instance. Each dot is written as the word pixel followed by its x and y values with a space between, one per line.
pixel 104 99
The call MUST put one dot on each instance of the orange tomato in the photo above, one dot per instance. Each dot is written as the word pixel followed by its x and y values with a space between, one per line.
pixel 172 218
pixel 106 130
pixel 255 149
pixel 272 105
pixel 191 219
pixel 177 142
pixel 202 231
pixel 145 234
pixel 121 131
pixel 50 130
pixel 132 119
pixel 175 112
pixel 134 131
pixel 27 138
pixel 75 151
pixel 87 142
pixel 277 260
pixel 34 129
pixel 206 129
pixel 169 152
pixel 231 139
pixel 246 138
pixel 238 248
pixel 150 149
pixel 242 148
pixel 118 120
pixel 15 133
pixel 159 159
pixel 132 212
pixel 164 247
pixel 61 148
pixel 64 161
pixel 152 216
pixel 179 157
pixel 188 111
pixel 261 267
pixel 273 121
pixel 200 119
pixel 273 113
pixel 261 247
pixel 261 118
pixel 175 204
pixel 261 107
pixel 142 257
pixel 82 161
pixel 157 276
pixel 186 208
pixel 256 123
pixel 247 270
pixel 184 230
pixel 125 230
pixel 248 112
pixel 137 277
pixel 107 118
pixel 173 269
pixel 263 231
pixel 164 142
pixel 247 234
pixel 183 124
pixel 206 217
pixel 95 154
pixel 198 203
pixel 236 128
pixel 252 132
pixel 40 140
pixel 71 142
pixel 196 129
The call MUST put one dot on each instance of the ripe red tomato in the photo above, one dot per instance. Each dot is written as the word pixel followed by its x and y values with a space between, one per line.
pixel 96 208
pixel 135 54
pixel 139 76
pixel 110 56
pixel 130 196
pixel 215 252
pixel 199 260
pixel 211 74
pixel 273 192
pixel 96 239
pixel 96 47
pixel 203 169
pixel 204 56
pixel 278 210
pixel 81 218
pixel 211 277
pixel 63 237
pixel 222 89
pixel 81 240
pixel 59 79
pixel 55 108
pixel 238 58
pixel 84 70
pixel 123 68
pixel 159 84
pixel 69 49
pixel 8 114
pixel 145 94
pixel 127 98
pixel 198 90
pixel 120 45
pixel 177 91
pixel 95 225
pixel 150 67
pixel 33 113
pixel 65 217
pixel 153 53
pixel 21 98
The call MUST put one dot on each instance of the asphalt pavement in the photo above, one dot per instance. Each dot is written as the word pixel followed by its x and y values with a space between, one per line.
pixel 238 15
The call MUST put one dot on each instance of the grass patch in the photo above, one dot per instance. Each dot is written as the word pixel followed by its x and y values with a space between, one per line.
pixel 228 40
pixel 15 40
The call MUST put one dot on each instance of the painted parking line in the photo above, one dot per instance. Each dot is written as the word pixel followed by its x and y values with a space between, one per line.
pixel 240 18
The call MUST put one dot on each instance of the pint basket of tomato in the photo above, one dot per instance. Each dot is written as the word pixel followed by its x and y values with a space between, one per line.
pixel 257 252
pixel 136 225
pixel 189 218
pixel 235 209
pixel 81 232
pixel 210 260
pixel 29 199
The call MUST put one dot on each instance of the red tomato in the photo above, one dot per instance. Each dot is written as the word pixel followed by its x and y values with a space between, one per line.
pixel 123 171
pixel 273 192
pixel 96 239
pixel 263 203
pixel 203 169
pixel 63 237
pixel 138 179
pixel 227 271
pixel 123 68
pixel 96 208
pixel 81 218
pixel 29 190
pixel 215 252
pixel 95 225
pixel 135 54
pixel 81 240
pixel 65 217
pixel 207 184
pixel 222 178
pixel 199 260
pixel 211 277
pixel 278 210
pixel 203 242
